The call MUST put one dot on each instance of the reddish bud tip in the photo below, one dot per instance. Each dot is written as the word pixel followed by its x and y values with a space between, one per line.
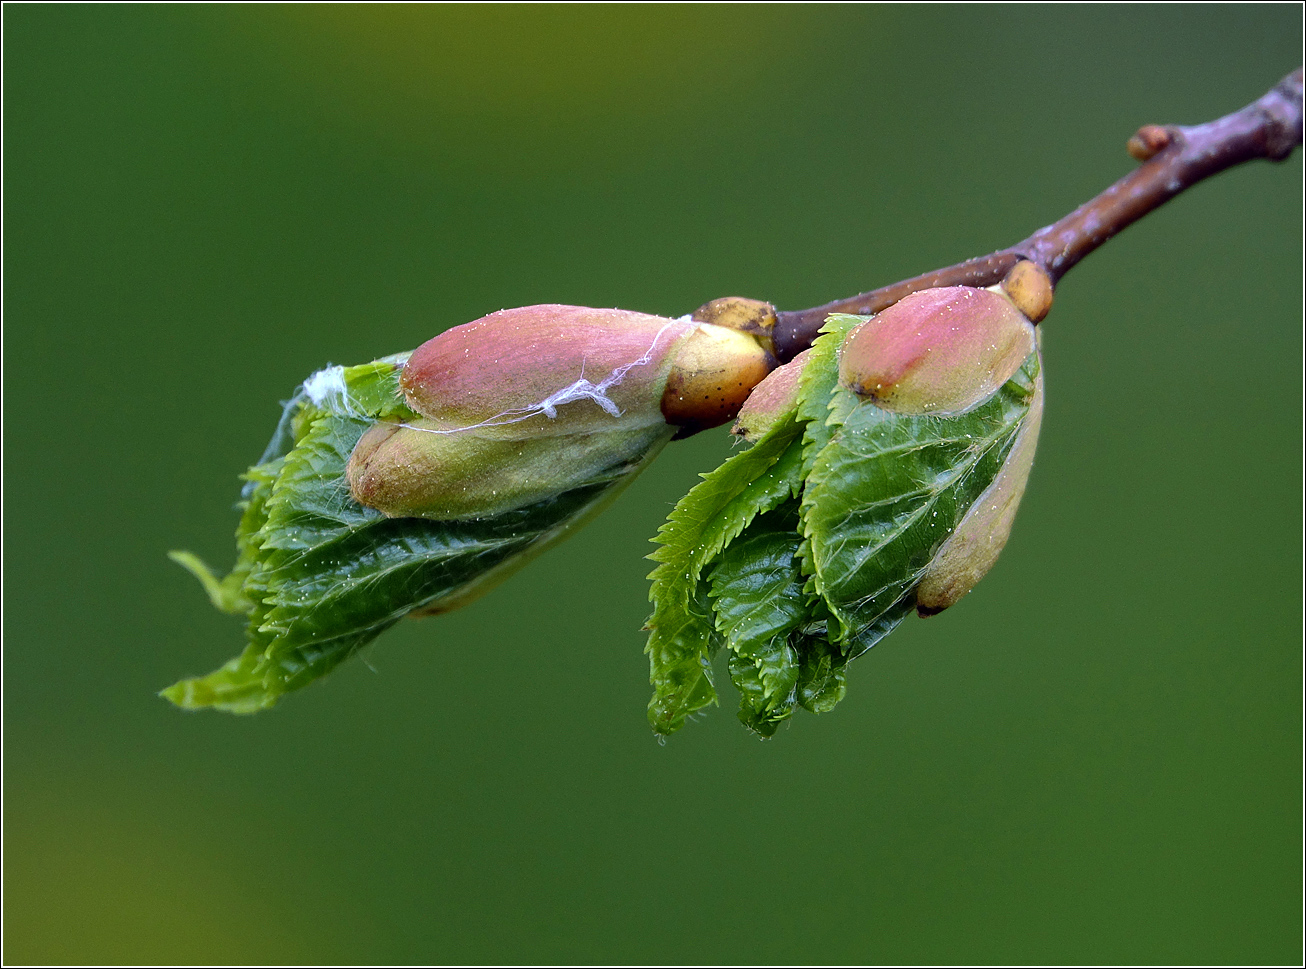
pixel 515 361
pixel 770 400
pixel 938 351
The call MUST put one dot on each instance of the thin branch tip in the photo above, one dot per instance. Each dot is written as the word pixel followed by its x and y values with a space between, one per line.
pixel 1173 158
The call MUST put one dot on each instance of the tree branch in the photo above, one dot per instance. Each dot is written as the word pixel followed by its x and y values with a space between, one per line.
pixel 1174 159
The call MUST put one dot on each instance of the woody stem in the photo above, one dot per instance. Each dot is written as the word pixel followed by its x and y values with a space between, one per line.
pixel 1174 159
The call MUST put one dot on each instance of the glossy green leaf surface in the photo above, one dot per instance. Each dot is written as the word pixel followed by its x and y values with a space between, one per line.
pixel 888 489
pixel 757 592
pixel 682 639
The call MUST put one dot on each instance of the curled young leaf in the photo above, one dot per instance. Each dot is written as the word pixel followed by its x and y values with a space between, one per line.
pixel 682 635
pixel 806 582
pixel 974 545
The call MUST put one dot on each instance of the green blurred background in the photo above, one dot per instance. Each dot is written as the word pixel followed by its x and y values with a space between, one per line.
pixel 1095 758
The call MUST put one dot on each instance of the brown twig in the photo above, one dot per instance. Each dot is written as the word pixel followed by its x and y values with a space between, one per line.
pixel 1174 158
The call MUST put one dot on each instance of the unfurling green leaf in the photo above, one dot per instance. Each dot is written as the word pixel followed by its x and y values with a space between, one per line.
pixel 321 576
pixel 757 590
pixel 682 639
pixel 807 580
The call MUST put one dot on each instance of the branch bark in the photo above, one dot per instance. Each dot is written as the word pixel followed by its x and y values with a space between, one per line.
pixel 1174 159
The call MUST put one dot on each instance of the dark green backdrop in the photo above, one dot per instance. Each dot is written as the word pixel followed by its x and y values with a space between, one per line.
pixel 1094 758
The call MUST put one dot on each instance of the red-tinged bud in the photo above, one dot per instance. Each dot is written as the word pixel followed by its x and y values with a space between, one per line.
pixel 973 547
pixel 524 404
pixel 938 351
pixel 770 400
pixel 512 368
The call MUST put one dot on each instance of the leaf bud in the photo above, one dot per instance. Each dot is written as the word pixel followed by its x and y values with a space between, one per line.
pixel 937 351
pixel 770 400
pixel 974 545
pixel 1149 141
pixel 1029 288
pixel 715 370
pixel 524 404
pixel 752 316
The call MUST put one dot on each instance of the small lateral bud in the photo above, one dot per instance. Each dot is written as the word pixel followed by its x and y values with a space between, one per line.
pixel 752 316
pixel 714 371
pixel 1148 141
pixel 1029 288
pixel 973 547
pixel 938 351
pixel 770 400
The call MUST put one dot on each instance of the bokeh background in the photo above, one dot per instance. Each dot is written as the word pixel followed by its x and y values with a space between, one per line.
pixel 1096 758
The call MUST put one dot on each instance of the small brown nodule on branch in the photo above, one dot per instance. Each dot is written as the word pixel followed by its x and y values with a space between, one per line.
pixel 1030 289
pixel 1174 159
pixel 1149 140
